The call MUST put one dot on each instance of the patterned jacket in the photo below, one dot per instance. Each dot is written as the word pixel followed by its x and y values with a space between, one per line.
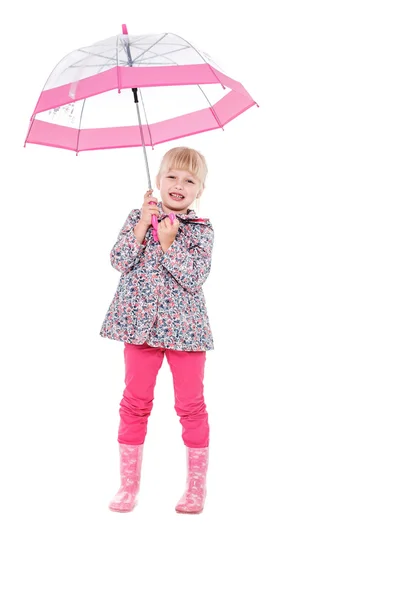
pixel 159 298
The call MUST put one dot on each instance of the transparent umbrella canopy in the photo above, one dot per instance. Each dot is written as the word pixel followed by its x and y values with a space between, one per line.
pixel 87 101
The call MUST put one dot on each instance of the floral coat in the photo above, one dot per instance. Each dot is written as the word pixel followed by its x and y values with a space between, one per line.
pixel 159 299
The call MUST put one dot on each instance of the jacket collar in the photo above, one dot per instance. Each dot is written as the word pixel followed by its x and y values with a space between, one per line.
pixel 190 216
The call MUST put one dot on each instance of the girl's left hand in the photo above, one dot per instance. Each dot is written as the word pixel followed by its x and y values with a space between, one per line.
pixel 167 231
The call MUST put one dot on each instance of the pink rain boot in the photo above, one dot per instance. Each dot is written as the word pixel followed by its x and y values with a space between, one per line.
pixel 193 499
pixel 130 468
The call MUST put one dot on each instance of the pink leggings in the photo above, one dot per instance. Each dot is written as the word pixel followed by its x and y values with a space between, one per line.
pixel 142 363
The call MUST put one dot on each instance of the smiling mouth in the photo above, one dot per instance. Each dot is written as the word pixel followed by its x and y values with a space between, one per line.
pixel 176 197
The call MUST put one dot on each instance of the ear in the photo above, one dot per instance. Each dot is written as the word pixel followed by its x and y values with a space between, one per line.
pixel 158 182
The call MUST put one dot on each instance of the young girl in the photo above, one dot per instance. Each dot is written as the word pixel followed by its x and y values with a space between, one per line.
pixel 159 308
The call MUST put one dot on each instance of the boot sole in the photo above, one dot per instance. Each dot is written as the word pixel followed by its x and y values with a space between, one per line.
pixel 126 510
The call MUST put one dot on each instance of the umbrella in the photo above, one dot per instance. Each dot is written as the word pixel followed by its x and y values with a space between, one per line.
pixel 182 92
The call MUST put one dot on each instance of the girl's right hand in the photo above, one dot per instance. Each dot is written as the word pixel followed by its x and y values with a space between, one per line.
pixel 148 210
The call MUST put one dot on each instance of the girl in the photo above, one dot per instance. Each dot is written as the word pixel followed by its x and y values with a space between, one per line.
pixel 159 308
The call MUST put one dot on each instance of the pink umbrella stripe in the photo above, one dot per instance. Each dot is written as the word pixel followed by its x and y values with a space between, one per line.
pixel 60 136
pixel 134 77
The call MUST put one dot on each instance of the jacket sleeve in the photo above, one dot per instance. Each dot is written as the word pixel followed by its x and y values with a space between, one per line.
pixel 126 250
pixel 190 266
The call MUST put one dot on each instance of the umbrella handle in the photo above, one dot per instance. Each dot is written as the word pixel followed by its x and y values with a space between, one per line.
pixel 154 222
pixel 155 226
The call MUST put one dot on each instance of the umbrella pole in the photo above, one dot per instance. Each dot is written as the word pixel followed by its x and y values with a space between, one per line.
pixel 134 90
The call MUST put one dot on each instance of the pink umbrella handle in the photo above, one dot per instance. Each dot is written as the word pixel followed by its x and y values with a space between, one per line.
pixel 154 222
pixel 155 226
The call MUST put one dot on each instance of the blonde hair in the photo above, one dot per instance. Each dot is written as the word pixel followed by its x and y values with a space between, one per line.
pixel 185 159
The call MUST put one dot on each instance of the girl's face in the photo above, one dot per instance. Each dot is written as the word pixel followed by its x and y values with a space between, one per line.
pixel 178 190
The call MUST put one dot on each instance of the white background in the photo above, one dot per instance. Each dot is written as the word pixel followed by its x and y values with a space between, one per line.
pixel 302 388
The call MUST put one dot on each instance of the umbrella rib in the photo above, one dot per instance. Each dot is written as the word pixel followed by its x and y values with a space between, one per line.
pixel 79 128
pixel 158 55
pixel 87 53
pixel 183 47
pixel 133 44
pixel 76 64
pixel 206 62
pixel 80 122
pixel 90 54
pixel 212 108
pixel 145 116
pixel 165 55
pixel 212 70
pixel 139 37
pixel 148 48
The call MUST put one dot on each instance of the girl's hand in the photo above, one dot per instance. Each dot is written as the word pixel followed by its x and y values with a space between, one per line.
pixel 167 231
pixel 148 210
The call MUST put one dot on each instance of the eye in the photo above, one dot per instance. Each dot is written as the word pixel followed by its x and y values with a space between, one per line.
pixel 173 177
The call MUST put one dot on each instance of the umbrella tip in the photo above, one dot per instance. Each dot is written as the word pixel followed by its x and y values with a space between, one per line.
pixel 124 30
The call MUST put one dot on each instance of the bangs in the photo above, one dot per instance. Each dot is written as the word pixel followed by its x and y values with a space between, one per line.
pixel 185 159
